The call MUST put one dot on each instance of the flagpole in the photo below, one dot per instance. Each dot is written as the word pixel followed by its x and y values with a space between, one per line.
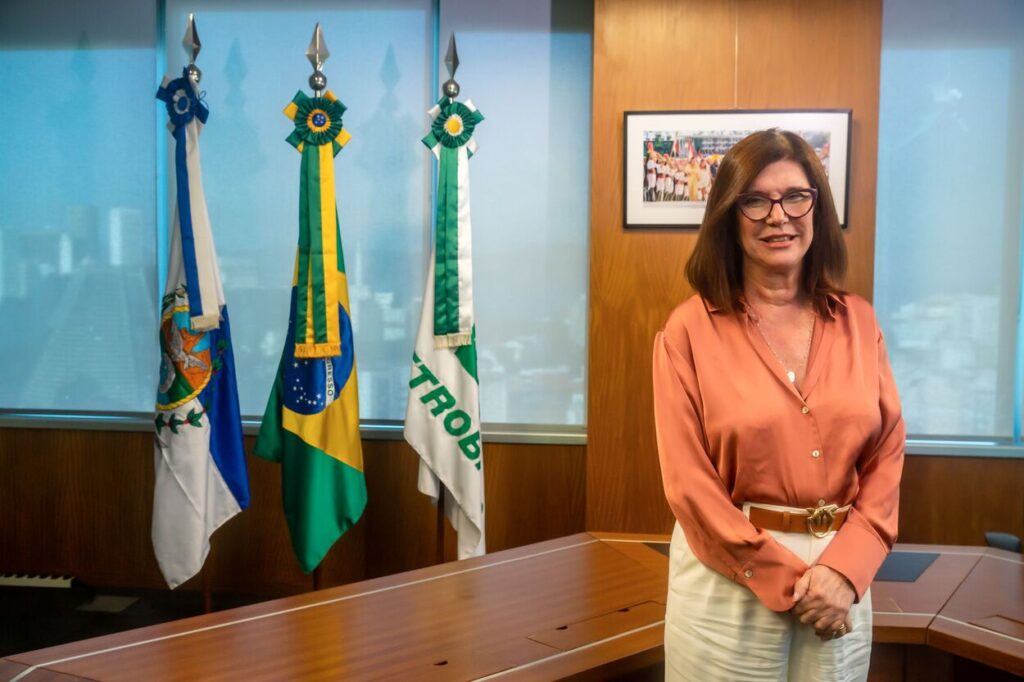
pixel 440 526
pixel 317 577
pixel 207 589
pixel 317 54
pixel 192 47
pixel 450 89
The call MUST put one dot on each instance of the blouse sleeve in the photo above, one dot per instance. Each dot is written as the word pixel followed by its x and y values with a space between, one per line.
pixel 718 533
pixel 861 545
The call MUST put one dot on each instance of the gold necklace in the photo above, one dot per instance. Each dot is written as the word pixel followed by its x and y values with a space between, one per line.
pixel 790 374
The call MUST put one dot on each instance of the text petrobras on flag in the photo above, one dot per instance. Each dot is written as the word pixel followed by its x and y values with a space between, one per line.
pixel 457 422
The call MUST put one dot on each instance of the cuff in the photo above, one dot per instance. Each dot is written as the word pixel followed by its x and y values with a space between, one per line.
pixel 771 575
pixel 857 553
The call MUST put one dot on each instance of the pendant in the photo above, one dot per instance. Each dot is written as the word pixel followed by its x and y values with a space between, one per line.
pixel 792 376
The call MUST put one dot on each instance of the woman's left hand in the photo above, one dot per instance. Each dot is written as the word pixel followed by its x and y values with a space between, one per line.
pixel 822 599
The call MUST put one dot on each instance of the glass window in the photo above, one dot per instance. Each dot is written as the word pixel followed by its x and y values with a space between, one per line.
pixel 950 180
pixel 527 66
pixel 529 72
pixel 380 67
pixel 86 177
pixel 78 197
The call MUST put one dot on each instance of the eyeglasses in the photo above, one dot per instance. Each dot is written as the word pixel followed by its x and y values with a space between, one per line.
pixel 795 203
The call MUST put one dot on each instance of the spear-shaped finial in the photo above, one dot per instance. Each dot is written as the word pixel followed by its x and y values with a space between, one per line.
pixel 451 60
pixel 317 53
pixel 192 46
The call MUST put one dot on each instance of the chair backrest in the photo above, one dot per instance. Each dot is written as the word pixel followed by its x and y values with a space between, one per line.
pixel 1005 541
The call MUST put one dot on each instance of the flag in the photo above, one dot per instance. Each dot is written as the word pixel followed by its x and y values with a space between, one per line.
pixel 311 424
pixel 442 420
pixel 675 147
pixel 201 477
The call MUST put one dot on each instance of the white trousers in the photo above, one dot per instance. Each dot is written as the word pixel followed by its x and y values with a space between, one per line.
pixel 716 629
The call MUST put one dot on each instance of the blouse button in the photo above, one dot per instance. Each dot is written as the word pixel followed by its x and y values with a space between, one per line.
pixel 748 573
pixel 821 502
pixel 816 454
pixel 805 409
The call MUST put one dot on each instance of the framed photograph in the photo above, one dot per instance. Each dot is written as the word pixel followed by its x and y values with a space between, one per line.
pixel 671 157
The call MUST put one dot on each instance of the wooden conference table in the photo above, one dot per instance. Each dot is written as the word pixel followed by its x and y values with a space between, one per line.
pixel 589 605
pixel 969 602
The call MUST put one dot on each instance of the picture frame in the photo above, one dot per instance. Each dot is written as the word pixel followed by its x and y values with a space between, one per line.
pixel 688 145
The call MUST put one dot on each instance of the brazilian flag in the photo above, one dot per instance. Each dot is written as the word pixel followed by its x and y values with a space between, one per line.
pixel 311 424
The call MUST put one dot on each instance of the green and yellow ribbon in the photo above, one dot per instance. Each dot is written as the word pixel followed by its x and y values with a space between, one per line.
pixel 319 135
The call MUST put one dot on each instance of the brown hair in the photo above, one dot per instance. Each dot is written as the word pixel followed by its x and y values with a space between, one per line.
pixel 715 268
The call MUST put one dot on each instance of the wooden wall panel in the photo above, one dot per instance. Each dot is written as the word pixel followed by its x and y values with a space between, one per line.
pixel 647 55
pixel 814 54
pixel 401 524
pixel 70 499
pixel 955 500
pixel 533 493
pixel 252 553
pixel 80 503
pixel 690 54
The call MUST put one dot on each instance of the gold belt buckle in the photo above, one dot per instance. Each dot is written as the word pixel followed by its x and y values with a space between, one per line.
pixel 819 521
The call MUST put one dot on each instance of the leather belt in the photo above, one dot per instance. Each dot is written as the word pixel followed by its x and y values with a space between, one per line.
pixel 818 521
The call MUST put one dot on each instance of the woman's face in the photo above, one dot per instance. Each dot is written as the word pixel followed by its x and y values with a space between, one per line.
pixel 778 243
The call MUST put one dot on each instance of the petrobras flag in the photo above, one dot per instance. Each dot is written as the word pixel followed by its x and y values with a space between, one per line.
pixel 201 478
pixel 442 423
pixel 442 420
pixel 311 424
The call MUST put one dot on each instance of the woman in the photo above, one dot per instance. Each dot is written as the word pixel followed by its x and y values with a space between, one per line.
pixel 779 432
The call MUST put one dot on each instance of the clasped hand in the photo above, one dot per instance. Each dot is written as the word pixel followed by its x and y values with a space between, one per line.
pixel 822 599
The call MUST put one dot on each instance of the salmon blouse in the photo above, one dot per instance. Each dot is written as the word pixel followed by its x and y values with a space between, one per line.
pixel 733 429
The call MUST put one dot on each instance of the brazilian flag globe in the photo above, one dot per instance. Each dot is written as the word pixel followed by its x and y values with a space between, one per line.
pixel 311 424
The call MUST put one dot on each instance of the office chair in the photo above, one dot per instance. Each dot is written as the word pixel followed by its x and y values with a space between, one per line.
pixel 1005 541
